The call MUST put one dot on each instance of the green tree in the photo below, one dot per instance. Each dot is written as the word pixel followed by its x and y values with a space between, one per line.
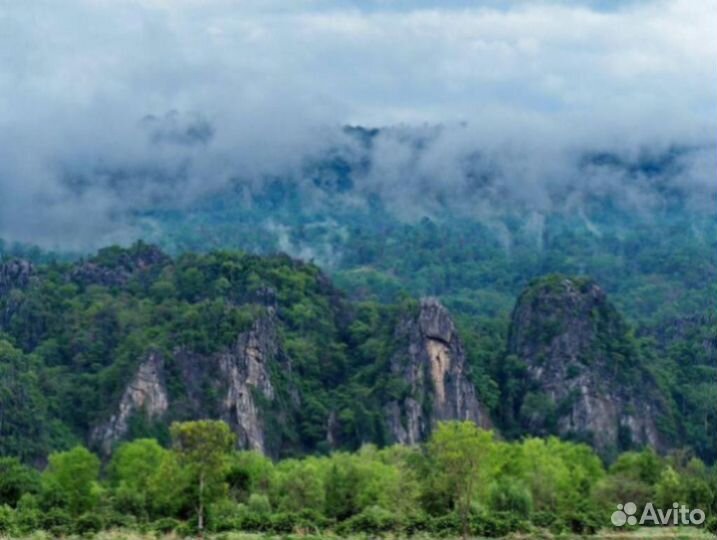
pixel 459 451
pixel 71 478
pixel 16 479
pixel 202 447
pixel 132 467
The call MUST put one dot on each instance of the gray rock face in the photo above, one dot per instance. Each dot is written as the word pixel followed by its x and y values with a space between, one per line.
pixel 245 369
pixel 130 263
pixel 226 385
pixel 145 394
pixel 586 376
pixel 434 367
pixel 15 274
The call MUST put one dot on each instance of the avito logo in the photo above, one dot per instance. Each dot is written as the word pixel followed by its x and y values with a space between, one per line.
pixel 677 515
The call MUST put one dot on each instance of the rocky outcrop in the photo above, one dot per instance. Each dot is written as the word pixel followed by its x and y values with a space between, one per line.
pixel 15 274
pixel 114 267
pixel 433 366
pixel 234 385
pixel 586 378
pixel 146 394
pixel 246 372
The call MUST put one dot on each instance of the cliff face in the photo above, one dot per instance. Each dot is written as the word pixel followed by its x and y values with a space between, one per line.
pixel 234 385
pixel 146 394
pixel 434 369
pixel 586 378
pixel 15 275
pixel 114 267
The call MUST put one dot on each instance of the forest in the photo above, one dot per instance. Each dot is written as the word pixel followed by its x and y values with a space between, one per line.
pixel 462 481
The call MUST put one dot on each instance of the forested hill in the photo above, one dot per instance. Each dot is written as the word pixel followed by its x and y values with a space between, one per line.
pixel 118 345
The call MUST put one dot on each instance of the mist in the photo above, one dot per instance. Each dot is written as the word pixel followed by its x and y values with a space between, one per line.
pixel 481 107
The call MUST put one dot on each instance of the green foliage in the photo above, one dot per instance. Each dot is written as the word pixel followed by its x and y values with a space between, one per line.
pixel 72 339
pixel 492 488
pixel 202 446
pixel 16 480
pixel 70 480
pixel 459 451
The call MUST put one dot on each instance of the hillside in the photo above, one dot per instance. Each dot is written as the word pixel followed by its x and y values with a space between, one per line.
pixel 118 345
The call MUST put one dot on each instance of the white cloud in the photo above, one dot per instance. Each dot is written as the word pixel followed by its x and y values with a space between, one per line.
pixel 276 78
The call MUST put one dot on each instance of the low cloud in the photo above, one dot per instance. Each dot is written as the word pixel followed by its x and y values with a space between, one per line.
pixel 109 110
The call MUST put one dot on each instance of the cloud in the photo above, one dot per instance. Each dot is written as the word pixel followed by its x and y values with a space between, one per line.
pixel 107 109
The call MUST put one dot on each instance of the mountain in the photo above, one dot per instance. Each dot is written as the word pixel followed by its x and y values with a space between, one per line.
pixel 119 345
pixel 587 379
pixel 129 340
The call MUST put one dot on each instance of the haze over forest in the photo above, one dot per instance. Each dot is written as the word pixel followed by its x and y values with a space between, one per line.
pixel 356 267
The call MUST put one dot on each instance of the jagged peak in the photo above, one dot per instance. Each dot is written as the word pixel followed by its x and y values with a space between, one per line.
pixel 435 321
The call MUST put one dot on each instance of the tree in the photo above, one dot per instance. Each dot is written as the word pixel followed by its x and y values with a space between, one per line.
pixel 459 450
pixel 131 469
pixel 202 446
pixel 16 479
pixel 71 477
pixel 23 408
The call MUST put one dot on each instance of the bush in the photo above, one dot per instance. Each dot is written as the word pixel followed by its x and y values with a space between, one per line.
pixel 543 519
pixel 27 514
pixel 509 495
pixel 186 528
pixel 583 522
pixel 312 520
pixel 416 523
pixel 164 525
pixel 497 524
pixel 7 520
pixel 117 520
pixel 89 522
pixel 259 504
pixel 254 522
pixel 224 515
pixel 283 522
pixel 446 525
pixel 57 522
pixel 372 520
pixel 711 524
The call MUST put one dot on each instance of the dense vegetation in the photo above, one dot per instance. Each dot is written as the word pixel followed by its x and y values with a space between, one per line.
pixel 71 339
pixel 463 481
pixel 74 332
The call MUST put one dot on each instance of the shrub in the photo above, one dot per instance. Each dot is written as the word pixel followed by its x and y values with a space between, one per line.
pixel 543 519
pixel 164 525
pixel 416 523
pixel 7 520
pixel 446 525
pixel 259 504
pixel 497 524
pixel 372 520
pixel 224 515
pixel 509 495
pixel 583 522
pixel 711 524
pixel 57 522
pixel 283 522
pixel 89 522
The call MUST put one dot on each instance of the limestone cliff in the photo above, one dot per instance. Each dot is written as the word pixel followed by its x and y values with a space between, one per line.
pixel 234 384
pixel 145 394
pixel 15 275
pixel 586 379
pixel 433 366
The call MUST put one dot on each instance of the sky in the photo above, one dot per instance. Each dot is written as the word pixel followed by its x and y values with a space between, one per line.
pixel 184 95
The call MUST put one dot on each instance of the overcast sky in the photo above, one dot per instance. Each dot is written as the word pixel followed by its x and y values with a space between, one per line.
pixel 273 80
